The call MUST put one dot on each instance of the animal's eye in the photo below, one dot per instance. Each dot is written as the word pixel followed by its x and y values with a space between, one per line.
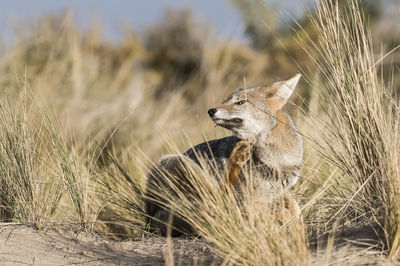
pixel 240 102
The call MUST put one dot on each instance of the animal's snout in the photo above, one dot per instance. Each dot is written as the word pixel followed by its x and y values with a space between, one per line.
pixel 212 111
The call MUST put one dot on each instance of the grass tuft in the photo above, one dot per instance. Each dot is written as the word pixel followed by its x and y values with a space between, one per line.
pixel 358 122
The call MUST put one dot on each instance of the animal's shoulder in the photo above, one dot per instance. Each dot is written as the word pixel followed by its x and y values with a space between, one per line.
pixel 213 149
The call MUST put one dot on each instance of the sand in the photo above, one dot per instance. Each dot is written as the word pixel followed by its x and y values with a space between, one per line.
pixel 66 245
pixel 62 245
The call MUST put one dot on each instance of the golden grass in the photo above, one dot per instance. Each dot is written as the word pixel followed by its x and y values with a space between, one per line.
pixel 72 130
pixel 242 228
pixel 358 122
pixel 39 168
pixel 27 193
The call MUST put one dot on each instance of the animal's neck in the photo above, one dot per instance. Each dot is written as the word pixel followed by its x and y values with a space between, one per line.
pixel 281 146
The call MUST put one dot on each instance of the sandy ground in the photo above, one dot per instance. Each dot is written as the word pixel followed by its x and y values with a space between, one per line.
pixel 23 245
pixel 64 245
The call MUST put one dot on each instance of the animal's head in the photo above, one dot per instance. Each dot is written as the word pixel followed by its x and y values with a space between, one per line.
pixel 248 112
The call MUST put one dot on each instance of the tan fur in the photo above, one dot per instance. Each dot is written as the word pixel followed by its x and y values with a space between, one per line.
pixel 275 104
pixel 282 139
pixel 291 205
pixel 227 107
pixel 240 155
pixel 262 134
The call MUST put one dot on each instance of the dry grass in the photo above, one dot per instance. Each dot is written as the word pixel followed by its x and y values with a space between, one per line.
pixel 358 122
pixel 39 167
pixel 244 229
pixel 27 193
pixel 72 131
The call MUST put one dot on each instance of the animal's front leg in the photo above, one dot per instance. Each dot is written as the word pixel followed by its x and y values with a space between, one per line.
pixel 239 156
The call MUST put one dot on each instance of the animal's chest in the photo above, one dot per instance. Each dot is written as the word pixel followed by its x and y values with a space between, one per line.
pixel 259 170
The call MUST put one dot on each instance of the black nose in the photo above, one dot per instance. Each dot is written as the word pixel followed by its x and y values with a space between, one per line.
pixel 212 112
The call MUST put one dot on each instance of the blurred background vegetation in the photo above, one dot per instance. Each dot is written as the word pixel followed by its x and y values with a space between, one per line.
pixel 166 77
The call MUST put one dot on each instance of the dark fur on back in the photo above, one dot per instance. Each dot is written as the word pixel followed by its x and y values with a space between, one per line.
pixel 216 152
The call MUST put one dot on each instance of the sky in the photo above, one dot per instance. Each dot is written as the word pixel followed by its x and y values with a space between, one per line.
pixel 136 13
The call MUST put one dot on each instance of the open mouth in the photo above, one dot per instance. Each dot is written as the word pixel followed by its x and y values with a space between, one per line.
pixel 229 123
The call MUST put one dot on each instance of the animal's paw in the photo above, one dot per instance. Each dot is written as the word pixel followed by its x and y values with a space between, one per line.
pixel 241 152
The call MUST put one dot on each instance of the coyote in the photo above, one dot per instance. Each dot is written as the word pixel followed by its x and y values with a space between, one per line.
pixel 264 140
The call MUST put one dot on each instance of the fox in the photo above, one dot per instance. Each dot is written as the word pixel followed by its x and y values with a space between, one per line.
pixel 264 140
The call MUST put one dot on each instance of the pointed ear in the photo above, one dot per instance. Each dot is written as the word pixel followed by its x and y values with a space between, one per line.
pixel 286 88
pixel 283 91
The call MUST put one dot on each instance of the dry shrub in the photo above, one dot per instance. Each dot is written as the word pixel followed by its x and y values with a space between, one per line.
pixel 175 50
